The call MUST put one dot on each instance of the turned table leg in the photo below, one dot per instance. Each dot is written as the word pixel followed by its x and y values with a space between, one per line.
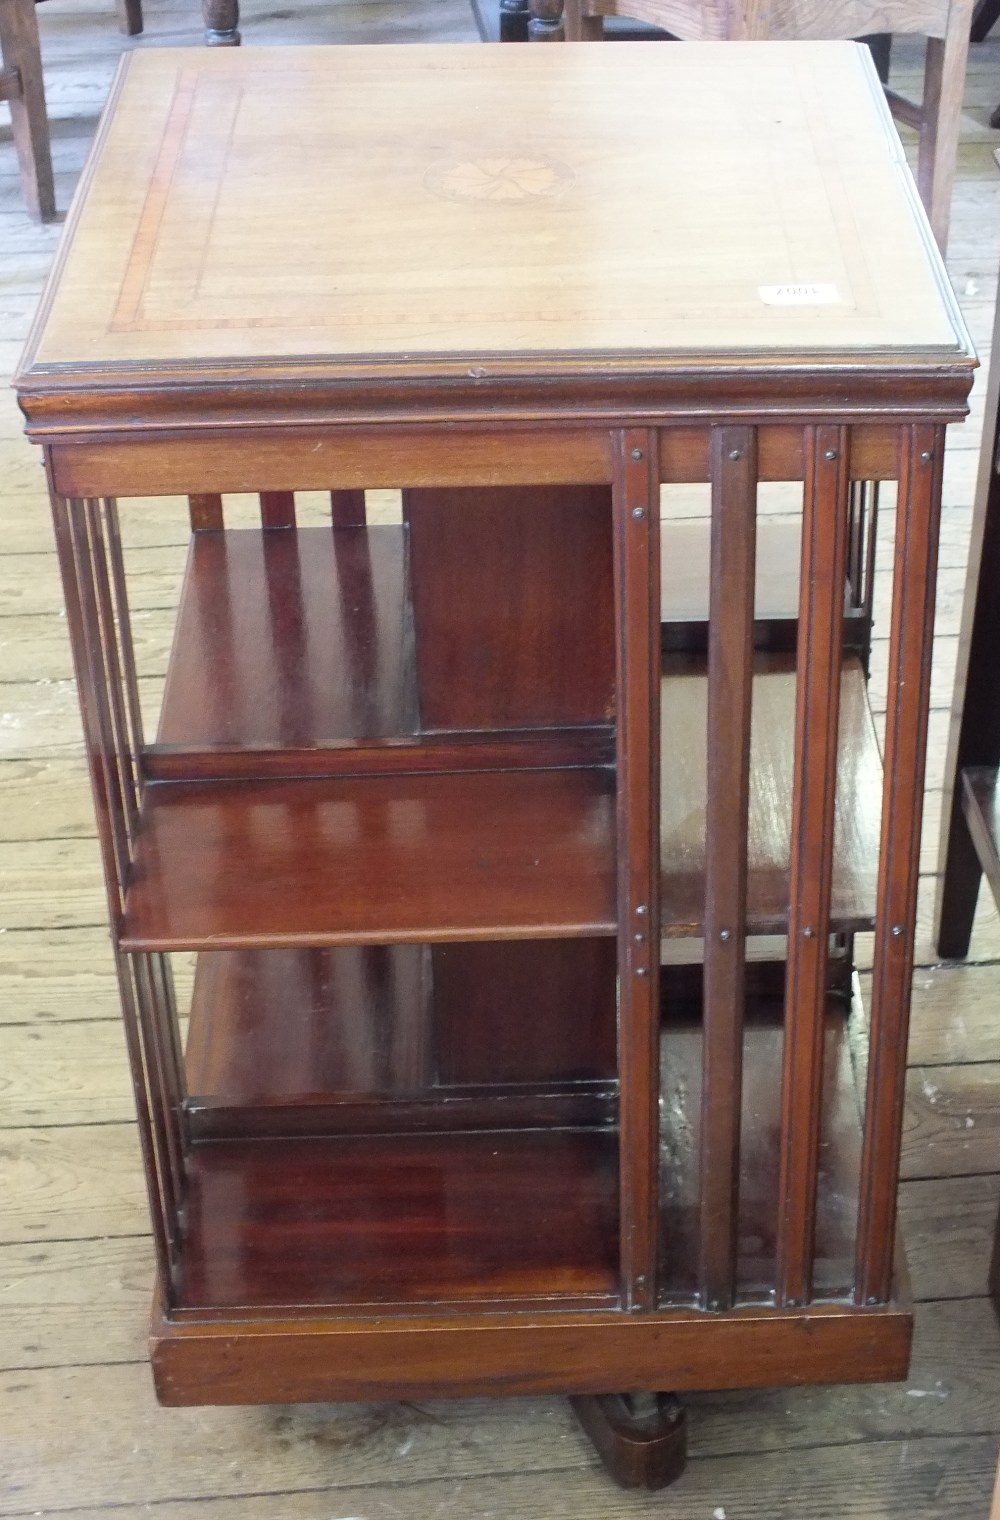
pixel 222 22
pixel 546 24
pixel 640 1437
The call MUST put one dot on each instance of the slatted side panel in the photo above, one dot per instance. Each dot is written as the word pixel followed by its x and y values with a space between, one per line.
pixel 910 640
pixel 826 511
pixel 637 643
pixel 277 510
pixel 730 676
pixel 89 549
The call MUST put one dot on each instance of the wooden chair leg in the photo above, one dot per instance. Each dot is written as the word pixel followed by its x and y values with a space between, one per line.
pixel 222 22
pixel 974 739
pixel 641 1437
pixel 984 18
pixel 129 16
pixel 21 85
pixel 944 85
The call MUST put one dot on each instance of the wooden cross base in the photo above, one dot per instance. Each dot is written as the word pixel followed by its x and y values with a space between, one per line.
pixel 640 1437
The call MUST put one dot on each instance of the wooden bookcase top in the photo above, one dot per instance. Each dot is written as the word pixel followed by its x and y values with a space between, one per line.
pixel 462 210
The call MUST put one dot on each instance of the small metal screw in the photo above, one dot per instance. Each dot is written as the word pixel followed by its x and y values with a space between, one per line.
pixel 640 939
pixel 830 454
pixel 641 909
pixel 871 1299
pixel 735 454
pixel 640 1279
pixel 713 1304
pixel 638 511
pixel 725 934
pixel 636 453
pixel 927 456
pixel 897 930
pixel 641 971
pixel 807 932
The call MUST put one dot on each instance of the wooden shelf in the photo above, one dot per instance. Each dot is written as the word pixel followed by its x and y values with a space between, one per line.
pixel 292 638
pixel 301 651
pixel 396 1038
pixel 279 1224
pixel 222 864
pixel 683 790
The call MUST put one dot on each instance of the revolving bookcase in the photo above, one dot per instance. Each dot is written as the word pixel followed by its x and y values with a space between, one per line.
pixel 519 839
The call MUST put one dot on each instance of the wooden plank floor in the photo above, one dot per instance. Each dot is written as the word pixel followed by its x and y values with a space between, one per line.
pixel 80 1432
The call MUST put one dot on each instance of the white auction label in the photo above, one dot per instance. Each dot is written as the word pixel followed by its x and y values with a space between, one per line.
pixel 799 295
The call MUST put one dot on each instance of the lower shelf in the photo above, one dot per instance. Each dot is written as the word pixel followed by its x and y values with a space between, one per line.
pixel 382 1126
pixel 397 1220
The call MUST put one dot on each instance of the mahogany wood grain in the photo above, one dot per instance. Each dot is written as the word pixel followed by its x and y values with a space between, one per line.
pixel 273 1025
pixel 525 1011
pixel 390 1220
pixel 499 1106
pixel 730 684
pixel 637 645
pixel 347 509
pixel 817 724
pixel 308 458
pixel 640 1438
pixel 268 1362
pixel 277 509
pixel 911 634
pixel 513 606
pixel 371 860
pixel 291 639
pixel 206 512
pixel 409 754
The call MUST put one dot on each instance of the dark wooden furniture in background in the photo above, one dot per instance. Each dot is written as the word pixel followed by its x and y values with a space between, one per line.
pixel 970 813
pixel 522 877
pixel 945 24
pixel 22 87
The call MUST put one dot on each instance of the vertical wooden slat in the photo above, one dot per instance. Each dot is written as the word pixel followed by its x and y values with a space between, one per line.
pixel 637 594
pixel 127 759
pixel 74 563
pixel 206 513
pixel 97 699
pixel 163 1203
pixel 817 712
pixel 910 638
pixel 347 509
pixel 99 776
pixel 130 672
pixel 730 679
pixel 163 1088
pixel 277 509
